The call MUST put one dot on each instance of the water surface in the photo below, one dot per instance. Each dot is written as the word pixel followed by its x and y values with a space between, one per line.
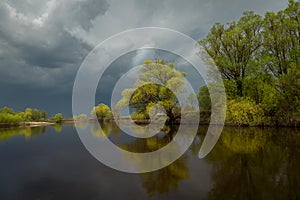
pixel 247 163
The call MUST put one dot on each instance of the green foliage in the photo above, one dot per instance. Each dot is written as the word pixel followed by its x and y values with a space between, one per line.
pixel 57 127
pixel 282 44
pixel 270 100
pixel 204 99
pixel 234 46
pixel 6 110
pixel 259 60
pixel 8 115
pixel 101 111
pixel 244 112
pixel 168 82
pixel 36 115
pixel 58 118
pixel 10 118
pixel 139 116
pixel 28 114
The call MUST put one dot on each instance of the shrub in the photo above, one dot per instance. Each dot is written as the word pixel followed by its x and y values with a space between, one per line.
pixel 58 118
pixel 10 118
pixel 139 116
pixel 244 112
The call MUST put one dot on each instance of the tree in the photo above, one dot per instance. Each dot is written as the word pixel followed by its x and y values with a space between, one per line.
pixel 28 114
pixel 259 60
pixel 101 111
pixel 36 115
pixel 204 98
pixel 281 39
pixel 6 110
pixel 234 47
pixel 158 83
pixel 43 115
pixel 281 57
pixel 58 118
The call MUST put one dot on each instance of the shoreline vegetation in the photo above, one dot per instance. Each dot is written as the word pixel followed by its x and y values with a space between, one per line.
pixel 204 120
pixel 28 118
pixel 126 120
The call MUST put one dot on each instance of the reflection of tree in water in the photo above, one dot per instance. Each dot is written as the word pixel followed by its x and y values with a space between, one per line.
pixel 248 164
pixel 143 145
pixel 105 130
pixel 195 146
pixel 167 179
pixel 288 178
pixel 164 180
pixel 244 141
pixel 158 182
pixel 6 134
pixel 57 127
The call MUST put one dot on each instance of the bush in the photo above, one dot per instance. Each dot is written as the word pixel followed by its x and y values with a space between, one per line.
pixel 10 118
pixel 139 116
pixel 244 112
pixel 101 111
pixel 58 118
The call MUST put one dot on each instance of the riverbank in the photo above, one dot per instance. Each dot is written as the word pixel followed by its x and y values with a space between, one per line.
pixel 25 124
pixel 67 121
pixel 203 121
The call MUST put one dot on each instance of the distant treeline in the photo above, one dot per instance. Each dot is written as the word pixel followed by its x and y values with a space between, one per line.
pixel 8 115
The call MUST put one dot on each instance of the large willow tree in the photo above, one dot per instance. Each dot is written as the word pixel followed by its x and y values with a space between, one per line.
pixel 158 83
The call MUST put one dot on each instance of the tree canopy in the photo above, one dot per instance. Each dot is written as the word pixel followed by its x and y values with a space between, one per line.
pixel 58 118
pixel 158 83
pixel 234 47
pixel 258 58
pixel 101 111
pixel 8 115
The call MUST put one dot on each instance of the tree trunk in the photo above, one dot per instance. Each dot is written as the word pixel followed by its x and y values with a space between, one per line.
pixel 172 118
pixel 239 87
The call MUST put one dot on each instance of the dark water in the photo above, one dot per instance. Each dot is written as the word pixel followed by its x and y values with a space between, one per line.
pixel 51 163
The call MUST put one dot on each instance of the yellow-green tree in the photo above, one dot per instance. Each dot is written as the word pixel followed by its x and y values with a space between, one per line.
pixel 58 118
pixel 158 83
pixel 101 111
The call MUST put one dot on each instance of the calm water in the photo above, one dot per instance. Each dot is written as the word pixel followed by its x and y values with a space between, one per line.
pixel 51 163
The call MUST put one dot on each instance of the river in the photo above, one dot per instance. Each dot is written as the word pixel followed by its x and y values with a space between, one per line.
pixel 246 163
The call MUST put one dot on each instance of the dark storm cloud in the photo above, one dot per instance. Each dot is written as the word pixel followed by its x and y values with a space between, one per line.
pixel 42 43
pixel 44 40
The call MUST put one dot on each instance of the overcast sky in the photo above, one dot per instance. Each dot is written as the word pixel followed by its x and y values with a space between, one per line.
pixel 43 43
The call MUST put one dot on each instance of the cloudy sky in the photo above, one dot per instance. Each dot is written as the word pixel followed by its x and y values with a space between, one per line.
pixel 43 42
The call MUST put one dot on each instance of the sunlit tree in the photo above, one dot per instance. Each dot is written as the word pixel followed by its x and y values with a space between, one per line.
pixel 158 83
